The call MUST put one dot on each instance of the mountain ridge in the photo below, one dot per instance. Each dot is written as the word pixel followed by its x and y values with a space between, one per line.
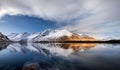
pixel 3 38
pixel 50 35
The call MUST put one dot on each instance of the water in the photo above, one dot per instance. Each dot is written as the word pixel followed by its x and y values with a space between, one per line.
pixel 77 56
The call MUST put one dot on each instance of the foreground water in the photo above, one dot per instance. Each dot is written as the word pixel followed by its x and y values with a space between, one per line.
pixel 74 56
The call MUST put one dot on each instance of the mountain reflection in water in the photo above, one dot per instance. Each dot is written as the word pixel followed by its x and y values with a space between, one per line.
pixel 56 56
pixel 55 49
pixel 3 45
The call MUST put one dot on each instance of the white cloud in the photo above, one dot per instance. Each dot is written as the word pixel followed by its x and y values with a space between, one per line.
pixel 103 18
pixel 58 10
pixel 80 15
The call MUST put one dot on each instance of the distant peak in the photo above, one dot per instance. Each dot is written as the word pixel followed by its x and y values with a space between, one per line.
pixel 0 33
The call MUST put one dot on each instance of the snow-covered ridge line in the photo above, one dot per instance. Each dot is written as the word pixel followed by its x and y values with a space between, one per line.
pixel 50 35
pixel 39 36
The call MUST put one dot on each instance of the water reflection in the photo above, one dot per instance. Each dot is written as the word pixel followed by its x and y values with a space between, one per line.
pixel 3 45
pixel 55 49
pixel 78 46
pixel 71 56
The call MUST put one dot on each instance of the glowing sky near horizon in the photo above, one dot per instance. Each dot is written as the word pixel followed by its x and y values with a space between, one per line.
pixel 89 16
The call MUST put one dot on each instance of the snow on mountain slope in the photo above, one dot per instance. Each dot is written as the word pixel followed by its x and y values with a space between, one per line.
pixel 39 36
pixel 49 35
pixel 52 35
pixel 3 38
pixel 46 32
pixel 59 33
pixel 18 36
pixel 31 37
pixel 35 36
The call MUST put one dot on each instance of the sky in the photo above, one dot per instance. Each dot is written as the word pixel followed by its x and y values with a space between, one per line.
pixel 98 17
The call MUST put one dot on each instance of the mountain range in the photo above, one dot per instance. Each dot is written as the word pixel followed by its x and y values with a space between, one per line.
pixel 47 36
pixel 50 35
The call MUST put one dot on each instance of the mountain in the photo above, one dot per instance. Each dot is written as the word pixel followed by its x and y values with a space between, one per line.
pixel 50 35
pixel 32 36
pixel 60 35
pixel 110 38
pixel 76 37
pixel 3 38
pixel 18 36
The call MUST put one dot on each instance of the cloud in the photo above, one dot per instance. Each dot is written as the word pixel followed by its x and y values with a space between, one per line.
pixel 104 17
pixel 58 10
pixel 78 15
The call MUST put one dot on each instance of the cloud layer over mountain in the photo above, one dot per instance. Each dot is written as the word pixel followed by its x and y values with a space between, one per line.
pixel 77 15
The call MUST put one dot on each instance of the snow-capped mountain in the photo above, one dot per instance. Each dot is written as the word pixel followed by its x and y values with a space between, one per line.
pixel 49 35
pixel 3 38
pixel 31 37
pixel 52 35
pixel 18 36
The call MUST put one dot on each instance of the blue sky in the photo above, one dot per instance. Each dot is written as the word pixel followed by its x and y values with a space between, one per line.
pixel 18 24
pixel 100 17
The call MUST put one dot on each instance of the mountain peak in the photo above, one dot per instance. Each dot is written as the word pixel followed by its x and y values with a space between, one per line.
pixel 63 32
pixel 1 34
pixel 3 37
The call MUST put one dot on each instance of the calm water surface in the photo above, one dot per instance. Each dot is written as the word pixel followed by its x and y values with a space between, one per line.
pixel 36 56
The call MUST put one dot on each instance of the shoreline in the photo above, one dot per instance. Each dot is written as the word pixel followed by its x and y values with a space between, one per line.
pixel 109 41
